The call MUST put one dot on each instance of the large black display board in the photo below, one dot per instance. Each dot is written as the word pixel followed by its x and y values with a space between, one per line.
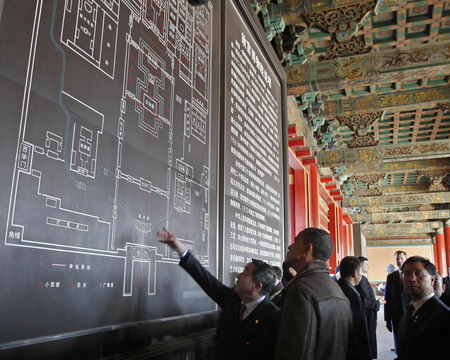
pixel 108 120
pixel 111 113
pixel 253 153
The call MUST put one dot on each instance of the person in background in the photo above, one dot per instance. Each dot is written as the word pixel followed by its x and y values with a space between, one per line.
pixel 381 286
pixel 439 289
pixel 276 295
pixel 424 331
pixel 288 274
pixel 395 305
pixel 249 320
pixel 337 273
pixel 370 303
pixel 351 276
pixel 316 320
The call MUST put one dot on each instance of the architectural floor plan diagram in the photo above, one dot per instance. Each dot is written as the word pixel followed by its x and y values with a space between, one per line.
pixel 115 138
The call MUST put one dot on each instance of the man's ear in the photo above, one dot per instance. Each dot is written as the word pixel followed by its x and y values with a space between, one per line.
pixel 258 286
pixel 308 248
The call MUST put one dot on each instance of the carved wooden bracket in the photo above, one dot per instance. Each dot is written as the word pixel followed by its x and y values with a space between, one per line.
pixel 342 21
pixel 436 176
pixel 350 47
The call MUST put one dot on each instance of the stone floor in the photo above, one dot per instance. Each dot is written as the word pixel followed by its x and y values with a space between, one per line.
pixel 384 338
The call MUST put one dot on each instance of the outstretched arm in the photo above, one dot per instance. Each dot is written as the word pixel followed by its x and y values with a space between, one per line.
pixel 217 291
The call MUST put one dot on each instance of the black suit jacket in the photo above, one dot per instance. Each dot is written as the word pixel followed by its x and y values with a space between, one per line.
pixel 251 338
pixel 371 306
pixel 426 336
pixel 359 320
pixel 394 307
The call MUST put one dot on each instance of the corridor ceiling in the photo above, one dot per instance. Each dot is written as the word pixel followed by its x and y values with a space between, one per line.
pixel 372 81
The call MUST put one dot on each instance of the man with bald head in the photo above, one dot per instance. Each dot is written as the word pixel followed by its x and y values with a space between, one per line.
pixel 316 320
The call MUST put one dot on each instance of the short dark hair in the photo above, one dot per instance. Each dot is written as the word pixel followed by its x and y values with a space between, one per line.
pixel 320 240
pixel 427 264
pixel 263 274
pixel 362 259
pixel 278 272
pixel 348 265
pixel 398 252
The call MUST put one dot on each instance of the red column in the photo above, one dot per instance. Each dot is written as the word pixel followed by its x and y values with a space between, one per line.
pixel 292 213
pixel 333 233
pixel 440 242
pixel 301 208
pixel 447 243
pixel 314 183
pixel 341 236
pixel 435 252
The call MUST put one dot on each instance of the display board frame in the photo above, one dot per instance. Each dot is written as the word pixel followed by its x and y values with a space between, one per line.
pixel 264 48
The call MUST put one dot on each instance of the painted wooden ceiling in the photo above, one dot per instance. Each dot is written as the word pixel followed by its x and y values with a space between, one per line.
pixel 372 82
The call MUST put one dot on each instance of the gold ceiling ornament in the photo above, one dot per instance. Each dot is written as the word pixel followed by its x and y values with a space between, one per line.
pixel 361 123
pixel 426 207
pixel 445 107
pixel 436 176
pixel 370 179
pixel 372 191
pixel 433 174
pixel 380 154
pixel 408 100
pixel 400 242
pixel 396 200
pixel 412 97
pixel 405 58
pixel 375 210
pixel 378 217
pixel 437 186
pixel 363 141
pixel 339 49
pixel 401 228
pixel 343 20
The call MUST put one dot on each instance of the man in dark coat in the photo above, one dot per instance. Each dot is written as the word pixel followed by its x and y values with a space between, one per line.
pixel 351 275
pixel 395 306
pixel 249 321
pixel 316 320
pixel 424 331
pixel 371 304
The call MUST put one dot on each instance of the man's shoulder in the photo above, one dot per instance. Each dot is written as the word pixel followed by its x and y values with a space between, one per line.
pixel 314 285
pixel 436 305
pixel 268 310
pixel 395 275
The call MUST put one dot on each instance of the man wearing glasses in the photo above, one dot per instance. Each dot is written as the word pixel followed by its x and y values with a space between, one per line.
pixel 424 331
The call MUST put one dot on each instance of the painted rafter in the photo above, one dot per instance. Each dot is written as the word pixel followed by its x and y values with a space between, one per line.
pixel 401 216
pixel 397 200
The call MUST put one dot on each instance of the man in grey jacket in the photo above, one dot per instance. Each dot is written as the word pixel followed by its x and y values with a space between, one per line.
pixel 316 320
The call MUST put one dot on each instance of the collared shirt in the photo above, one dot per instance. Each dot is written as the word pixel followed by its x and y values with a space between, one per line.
pixel 251 306
pixel 183 254
pixel 417 304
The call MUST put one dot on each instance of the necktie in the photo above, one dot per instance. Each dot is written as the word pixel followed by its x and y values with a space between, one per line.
pixel 242 311
pixel 409 312
pixel 408 318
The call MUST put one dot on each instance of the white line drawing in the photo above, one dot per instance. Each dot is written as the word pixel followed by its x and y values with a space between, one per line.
pixel 97 180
